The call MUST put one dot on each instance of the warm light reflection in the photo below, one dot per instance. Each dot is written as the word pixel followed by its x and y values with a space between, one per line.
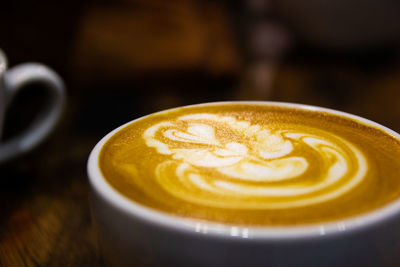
pixel 322 230
pixel 341 227
pixel 234 231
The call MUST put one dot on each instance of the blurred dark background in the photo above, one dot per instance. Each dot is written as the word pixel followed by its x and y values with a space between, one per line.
pixel 121 59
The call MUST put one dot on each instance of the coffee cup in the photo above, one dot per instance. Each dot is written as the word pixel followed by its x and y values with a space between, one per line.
pixel 247 184
pixel 12 81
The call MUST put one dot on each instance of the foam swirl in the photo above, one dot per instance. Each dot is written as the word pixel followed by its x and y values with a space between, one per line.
pixel 224 162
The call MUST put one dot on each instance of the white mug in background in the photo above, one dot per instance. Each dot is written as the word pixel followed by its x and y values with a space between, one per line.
pixel 11 82
pixel 132 234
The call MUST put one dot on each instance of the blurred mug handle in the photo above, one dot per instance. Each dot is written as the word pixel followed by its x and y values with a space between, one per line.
pixel 15 79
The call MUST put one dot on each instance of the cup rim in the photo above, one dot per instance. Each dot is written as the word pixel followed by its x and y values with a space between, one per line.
pixel 223 230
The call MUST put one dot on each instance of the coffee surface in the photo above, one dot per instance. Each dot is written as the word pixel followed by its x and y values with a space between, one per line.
pixel 253 164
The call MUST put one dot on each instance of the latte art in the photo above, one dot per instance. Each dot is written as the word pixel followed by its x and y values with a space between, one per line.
pixel 253 164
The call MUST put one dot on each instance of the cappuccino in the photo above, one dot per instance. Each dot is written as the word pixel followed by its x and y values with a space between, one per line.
pixel 253 164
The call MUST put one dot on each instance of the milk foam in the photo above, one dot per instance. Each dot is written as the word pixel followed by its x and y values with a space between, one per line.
pixel 221 161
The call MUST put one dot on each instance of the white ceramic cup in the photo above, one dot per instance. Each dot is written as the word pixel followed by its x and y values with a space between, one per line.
pixel 12 81
pixel 134 235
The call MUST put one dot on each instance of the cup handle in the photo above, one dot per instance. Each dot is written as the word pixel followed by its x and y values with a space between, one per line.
pixel 16 79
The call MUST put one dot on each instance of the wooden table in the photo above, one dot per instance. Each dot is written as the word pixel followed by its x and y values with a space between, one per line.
pixel 45 216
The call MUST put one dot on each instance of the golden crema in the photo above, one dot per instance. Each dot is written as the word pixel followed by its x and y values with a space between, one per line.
pixel 254 164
